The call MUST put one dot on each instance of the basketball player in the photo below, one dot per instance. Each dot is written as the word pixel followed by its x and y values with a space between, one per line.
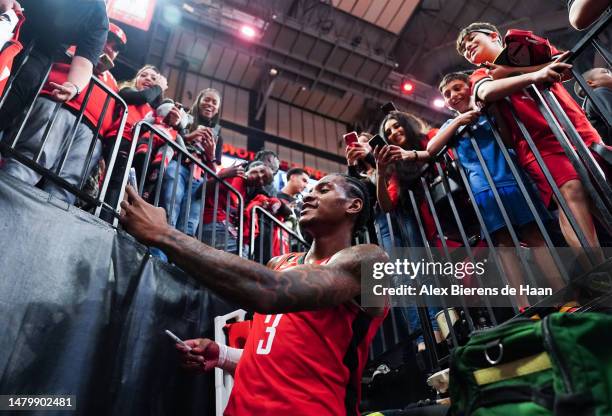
pixel 309 341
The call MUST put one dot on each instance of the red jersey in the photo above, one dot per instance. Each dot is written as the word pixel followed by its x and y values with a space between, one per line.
pixel 93 111
pixel 303 363
pixel 8 52
pixel 527 111
pixel 135 114
pixel 209 204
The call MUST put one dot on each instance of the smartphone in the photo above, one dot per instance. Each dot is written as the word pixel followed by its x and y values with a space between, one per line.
pixel 377 141
pixel 104 64
pixel 177 339
pixel 350 138
pixel 388 107
pixel 132 178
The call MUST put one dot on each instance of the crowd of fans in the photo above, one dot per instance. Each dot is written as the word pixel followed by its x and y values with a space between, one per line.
pixel 200 205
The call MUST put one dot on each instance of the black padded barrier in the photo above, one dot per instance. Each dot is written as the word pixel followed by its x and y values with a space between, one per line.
pixel 83 309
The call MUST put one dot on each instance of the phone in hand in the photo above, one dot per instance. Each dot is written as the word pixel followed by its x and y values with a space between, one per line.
pixel 388 107
pixel 105 63
pixel 132 178
pixel 177 339
pixel 377 141
pixel 350 138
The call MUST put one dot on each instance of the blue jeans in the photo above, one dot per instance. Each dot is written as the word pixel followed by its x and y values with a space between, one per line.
pixel 405 234
pixel 179 208
pixel 220 230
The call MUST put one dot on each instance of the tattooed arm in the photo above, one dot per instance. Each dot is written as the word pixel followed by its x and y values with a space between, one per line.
pixel 247 283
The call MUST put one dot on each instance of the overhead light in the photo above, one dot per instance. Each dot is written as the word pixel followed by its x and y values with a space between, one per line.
pixel 273 72
pixel 188 8
pixel 248 31
pixel 438 103
pixel 407 87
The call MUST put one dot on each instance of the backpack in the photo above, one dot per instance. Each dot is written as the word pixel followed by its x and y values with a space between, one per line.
pixel 523 48
pixel 561 366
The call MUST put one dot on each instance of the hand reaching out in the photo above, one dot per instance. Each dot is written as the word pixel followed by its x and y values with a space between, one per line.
pixel 497 71
pixel 141 219
pixel 230 172
pixel 551 73
pixel 63 92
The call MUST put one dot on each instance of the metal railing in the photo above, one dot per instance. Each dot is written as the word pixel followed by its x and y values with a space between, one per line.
pixel 10 145
pixel 450 223
pixel 271 229
pixel 170 149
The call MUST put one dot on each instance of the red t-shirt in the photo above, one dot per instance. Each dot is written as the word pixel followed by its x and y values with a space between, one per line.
pixel 209 204
pixel 303 363
pixel 93 111
pixel 527 110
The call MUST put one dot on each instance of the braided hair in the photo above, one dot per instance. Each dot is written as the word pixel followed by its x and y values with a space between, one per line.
pixel 357 189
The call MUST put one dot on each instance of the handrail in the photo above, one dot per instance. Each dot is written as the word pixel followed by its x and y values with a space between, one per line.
pixel 277 222
pixel 138 127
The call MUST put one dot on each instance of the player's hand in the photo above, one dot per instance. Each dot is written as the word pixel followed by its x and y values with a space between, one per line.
pixel 355 152
pixel 63 92
pixel 204 355
pixel 550 74
pixel 497 71
pixel 142 220
pixel 467 118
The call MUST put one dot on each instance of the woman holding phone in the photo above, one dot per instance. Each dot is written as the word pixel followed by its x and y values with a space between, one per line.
pixel 203 140
pixel 399 163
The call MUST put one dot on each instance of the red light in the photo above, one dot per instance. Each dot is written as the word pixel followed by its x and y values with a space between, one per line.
pixel 248 31
pixel 407 87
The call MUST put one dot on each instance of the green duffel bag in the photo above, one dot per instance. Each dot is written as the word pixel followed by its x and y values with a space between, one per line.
pixel 559 366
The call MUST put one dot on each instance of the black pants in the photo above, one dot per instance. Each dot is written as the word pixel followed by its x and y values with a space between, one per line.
pixel 24 87
pixel 114 185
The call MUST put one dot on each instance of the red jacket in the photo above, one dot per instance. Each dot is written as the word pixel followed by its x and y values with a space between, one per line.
pixel 8 53
pixel 93 111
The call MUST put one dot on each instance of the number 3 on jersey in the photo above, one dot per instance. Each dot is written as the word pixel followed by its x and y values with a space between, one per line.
pixel 271 331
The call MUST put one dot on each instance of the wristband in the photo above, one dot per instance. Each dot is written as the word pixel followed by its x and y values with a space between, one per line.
pixel 222 355
pixel 76 87
pixel 416 155
pixel 228 357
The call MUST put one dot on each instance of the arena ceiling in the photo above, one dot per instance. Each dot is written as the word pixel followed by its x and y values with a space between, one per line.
pixel 343 58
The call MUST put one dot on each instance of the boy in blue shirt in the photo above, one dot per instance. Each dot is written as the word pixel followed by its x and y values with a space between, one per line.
pixel 456 90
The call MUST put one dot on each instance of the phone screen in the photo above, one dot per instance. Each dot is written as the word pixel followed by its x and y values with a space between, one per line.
pixel 377 141
pixel 177 339
pixel 350 138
